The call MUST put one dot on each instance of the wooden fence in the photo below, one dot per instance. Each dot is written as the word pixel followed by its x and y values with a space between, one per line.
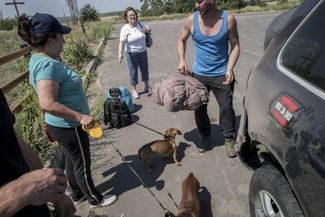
pixel 17 107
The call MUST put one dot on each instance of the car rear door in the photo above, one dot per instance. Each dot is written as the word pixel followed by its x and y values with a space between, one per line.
pixel 300 110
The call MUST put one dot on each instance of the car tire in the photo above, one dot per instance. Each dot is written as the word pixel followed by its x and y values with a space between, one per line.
pixel 270 195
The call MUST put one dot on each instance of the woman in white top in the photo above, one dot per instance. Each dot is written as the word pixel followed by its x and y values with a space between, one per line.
pixel 133 42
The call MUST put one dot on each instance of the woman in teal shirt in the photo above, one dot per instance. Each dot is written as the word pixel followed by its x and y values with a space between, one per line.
pixel 62 98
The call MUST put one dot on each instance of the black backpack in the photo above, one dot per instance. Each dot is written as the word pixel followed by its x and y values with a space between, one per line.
pixel 116 111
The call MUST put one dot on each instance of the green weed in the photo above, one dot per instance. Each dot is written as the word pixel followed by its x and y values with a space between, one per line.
pixel 76 51
pixel 98 30
pixel 29 124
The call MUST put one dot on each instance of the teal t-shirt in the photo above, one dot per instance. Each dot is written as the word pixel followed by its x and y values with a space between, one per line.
pixel 71 93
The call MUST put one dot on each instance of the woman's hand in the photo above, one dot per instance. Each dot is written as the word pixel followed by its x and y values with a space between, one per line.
pixel 145 30
pixel 120 51
pixel 87 121
pixel 120 58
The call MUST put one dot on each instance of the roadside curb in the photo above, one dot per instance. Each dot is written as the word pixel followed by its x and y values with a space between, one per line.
pixel 93 63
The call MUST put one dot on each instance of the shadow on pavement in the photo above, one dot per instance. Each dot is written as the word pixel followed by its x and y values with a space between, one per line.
pixel 217 138
pixel 137 107
pixel 181 150
pixel 127 180
pixel 205 198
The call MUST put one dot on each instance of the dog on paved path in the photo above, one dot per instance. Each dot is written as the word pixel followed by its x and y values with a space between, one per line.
pixel 164 148
pixel 190 203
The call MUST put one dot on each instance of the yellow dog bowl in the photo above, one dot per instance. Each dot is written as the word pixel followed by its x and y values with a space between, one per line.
pixel 95 132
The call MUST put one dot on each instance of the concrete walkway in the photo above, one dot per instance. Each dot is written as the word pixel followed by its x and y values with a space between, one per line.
pixel 224 181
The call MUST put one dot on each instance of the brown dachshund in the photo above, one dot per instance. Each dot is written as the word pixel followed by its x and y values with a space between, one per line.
pixel 164 147
pixel 190 203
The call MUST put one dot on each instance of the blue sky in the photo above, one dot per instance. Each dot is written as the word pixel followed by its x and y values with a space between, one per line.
pixel 59 7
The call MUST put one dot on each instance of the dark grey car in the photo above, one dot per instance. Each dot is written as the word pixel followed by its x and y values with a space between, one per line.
pixel 282 128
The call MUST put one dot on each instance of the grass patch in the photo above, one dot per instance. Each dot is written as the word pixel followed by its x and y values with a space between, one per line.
pixel 29 124
pixel 9 41
pixel 98 30
pixel 97 105
pixel 271 6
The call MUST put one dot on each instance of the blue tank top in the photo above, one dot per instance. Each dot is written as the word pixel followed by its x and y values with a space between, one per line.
pixel 210 52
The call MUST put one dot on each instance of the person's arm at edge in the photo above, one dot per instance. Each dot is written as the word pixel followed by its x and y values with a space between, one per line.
pixel 234 48
pixel 35 188
pixel 181 45
pixel 120 51
pixel 47 96
pixel 12 200
pixel 30 155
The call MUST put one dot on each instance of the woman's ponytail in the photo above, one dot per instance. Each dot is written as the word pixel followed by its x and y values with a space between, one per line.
pixel 23 28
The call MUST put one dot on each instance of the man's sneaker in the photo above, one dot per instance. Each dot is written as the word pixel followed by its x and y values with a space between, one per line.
pixel 79 201
pixel 107 200
pixel 230 147
pixel 204 144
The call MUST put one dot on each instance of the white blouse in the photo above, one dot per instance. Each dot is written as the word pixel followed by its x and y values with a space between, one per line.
pixel 135 41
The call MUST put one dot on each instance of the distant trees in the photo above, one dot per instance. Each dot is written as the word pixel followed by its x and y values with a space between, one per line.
pixel 159 7
pixel 88 13
pixel 231 4
pixel 8 24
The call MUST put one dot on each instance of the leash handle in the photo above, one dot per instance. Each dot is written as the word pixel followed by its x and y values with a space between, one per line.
pixel 169 214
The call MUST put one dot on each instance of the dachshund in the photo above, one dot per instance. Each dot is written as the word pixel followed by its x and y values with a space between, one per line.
pixel 190 202
pixel 164 147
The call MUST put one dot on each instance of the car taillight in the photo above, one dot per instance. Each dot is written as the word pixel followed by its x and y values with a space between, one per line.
pixel 286 110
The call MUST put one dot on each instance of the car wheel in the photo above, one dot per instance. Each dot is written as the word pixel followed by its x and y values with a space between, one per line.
pixel 270 195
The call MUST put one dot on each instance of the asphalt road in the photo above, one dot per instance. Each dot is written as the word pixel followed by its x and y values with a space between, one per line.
pixel 224 181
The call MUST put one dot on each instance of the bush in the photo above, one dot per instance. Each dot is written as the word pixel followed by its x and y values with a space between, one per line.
pixel 8 24
pixel 89 14
pixel 183 6
pixel 76 51
pixel 230 4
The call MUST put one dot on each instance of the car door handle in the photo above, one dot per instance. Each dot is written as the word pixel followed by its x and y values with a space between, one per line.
pixel 316 160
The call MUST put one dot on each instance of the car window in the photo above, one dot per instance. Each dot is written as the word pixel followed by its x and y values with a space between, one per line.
pixel 304 54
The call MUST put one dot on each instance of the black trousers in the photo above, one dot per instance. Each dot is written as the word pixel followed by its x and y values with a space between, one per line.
pixel 224 96
pixel 75 143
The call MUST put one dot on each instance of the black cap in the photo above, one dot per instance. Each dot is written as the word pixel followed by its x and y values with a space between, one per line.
pixel 47 23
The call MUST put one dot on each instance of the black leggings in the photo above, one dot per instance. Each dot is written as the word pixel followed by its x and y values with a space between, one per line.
pixel 75 143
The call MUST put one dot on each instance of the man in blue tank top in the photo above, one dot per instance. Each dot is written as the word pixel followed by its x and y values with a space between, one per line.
pixel 212 31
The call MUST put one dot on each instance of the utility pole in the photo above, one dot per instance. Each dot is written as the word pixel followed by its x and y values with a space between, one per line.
pixel 15 4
